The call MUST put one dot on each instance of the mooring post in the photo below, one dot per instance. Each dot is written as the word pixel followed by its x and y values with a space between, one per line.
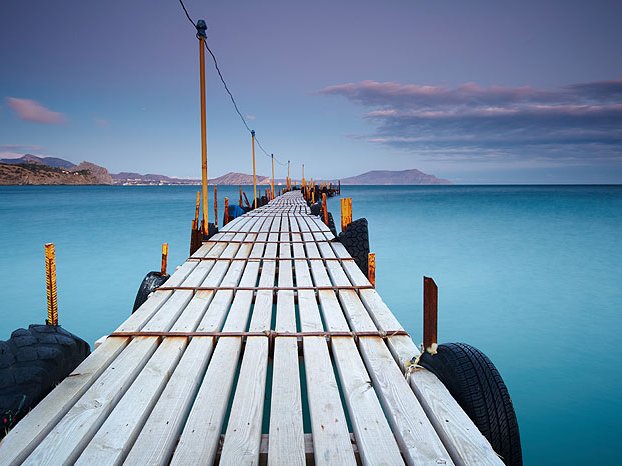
pixel 201 35
pixel 240 203
pixel 195 222
pixel 371 268
pixel 226 219
pixel 324 208
pixel 164 258
pixel 339 191
pixel 430 315
pixel 346 212
pixel 216 206
pixel 50 284
pixel 272 175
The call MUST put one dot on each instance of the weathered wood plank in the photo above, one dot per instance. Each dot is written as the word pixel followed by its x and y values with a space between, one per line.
pixel 243 434
pixel 286 431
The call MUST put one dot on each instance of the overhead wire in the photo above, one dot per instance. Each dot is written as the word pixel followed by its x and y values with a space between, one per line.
pixel 224 83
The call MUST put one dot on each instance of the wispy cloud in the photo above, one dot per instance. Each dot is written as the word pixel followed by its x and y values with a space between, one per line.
pixel 575 124
pixel 30 110
pixel 102 122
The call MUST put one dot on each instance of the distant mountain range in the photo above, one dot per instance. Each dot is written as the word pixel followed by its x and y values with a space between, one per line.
pixel 31 169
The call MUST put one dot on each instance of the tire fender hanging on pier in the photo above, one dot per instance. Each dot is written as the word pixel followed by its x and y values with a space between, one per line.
pixel 32 362
pixel 475 383
pixel 356 241
pixel 151 281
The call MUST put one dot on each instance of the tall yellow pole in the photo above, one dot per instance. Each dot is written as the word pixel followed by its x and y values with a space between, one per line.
pixel 289 181
pixel 273 175
pixel 201 28
pixel 254 172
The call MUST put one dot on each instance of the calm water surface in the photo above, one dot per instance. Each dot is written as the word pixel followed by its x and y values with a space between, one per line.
pixel 530 275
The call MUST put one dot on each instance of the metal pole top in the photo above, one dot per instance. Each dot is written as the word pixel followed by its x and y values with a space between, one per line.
pixel 201 28
pixel 253 132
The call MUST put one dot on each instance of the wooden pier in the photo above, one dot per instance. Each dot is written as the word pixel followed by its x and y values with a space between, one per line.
pixel 267 346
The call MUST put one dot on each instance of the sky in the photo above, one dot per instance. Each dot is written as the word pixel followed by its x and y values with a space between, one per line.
pixel 476 92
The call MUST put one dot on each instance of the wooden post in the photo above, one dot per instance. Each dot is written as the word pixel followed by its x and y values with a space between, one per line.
pixel 50 284
pixel 313 196
pixel 324 208
pixel 430 315
pixel 272 192
pixel 201 28
pixel 371 268
pixel 254 172
pixel 216 206
pixel 226 219
pixel 164 258
pixel 240 203
pixel 346 212
pixel 339 191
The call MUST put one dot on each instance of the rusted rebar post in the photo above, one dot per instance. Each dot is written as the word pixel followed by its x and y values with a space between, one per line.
pixel 371 268
pixel 226 219
pixel 324 208
pixel 430 315
pixel 216 206
pixel 346 212
pixel 195 222
pixel 50 284
pixel 164 258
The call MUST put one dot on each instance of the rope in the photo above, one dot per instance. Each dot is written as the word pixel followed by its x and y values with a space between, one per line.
pixel 224 83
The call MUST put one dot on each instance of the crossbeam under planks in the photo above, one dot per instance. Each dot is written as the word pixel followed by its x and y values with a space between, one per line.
pixel 206 371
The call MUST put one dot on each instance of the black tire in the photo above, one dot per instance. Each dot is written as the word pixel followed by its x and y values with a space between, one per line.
pixel 316 208
pixel 32 362
pixel 356 241
pixel 475 383
pixel 151 281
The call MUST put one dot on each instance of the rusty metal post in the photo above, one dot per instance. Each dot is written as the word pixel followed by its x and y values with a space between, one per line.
pixel 195 222
pixel 371 268
pixel 164 258
pixel 226 219
pixel 240 203
pixel 216 206
pixel 346 212
pixel 50 284
pixel 430 315
pixel 325 208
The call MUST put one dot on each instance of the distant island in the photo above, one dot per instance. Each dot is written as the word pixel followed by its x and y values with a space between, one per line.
pixel 388 177
pixel 33 170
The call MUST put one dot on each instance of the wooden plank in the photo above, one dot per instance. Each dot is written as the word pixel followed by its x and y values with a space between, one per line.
pixel 243 434
pixel 113 441
pixel 460 436
pixel 373 435
pixel 31 430
pixel 286 430
pixel 415 434
pixel 73 432
pixel 331 439
pixel 201 433
pixel 157 440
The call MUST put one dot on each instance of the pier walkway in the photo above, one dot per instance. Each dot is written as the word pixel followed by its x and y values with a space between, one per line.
pixel 268 345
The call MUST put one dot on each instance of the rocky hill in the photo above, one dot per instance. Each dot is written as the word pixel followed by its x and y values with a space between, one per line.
pixel 35 160
pixel 389 177
pixel 235 179
pixel 38 174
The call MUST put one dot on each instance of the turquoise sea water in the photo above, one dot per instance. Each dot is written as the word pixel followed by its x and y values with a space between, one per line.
pixel 529 274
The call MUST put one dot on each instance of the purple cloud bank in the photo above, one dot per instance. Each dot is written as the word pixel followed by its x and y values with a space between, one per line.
pixel 29 110
pixel 575 123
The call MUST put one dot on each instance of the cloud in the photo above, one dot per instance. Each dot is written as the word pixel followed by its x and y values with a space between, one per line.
pixel 102 122
pixel 29 110
pixel 579 123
